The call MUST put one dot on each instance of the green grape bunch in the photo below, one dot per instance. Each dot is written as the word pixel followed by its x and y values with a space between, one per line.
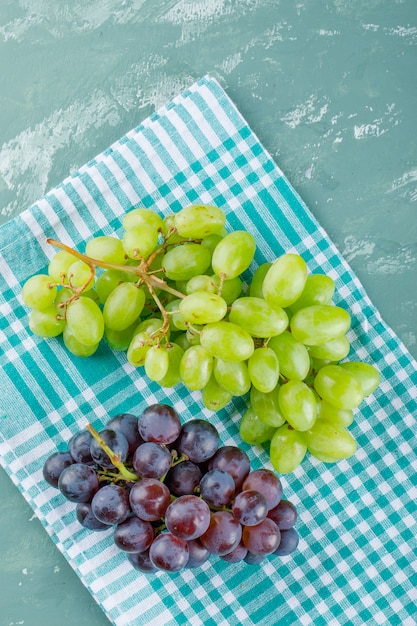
pixel 170 294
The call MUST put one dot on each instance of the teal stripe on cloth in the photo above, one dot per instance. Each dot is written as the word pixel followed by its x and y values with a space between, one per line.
pixel 356 562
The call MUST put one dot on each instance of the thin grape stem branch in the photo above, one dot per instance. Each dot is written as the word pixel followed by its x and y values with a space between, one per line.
pixel 141 271
pixel 114 458
pixel 76 292
pixel 160 306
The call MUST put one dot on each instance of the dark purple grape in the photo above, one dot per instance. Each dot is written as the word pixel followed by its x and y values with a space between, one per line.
pixel 198 440
pixel 183 478
pixel 223 534
pixel 289 542
pixel 159 423
pixel 217 488
pixel 254 559
pixel 284 515
pixel 79 447
pixel 267 483
pixel 87 518
pixel 55 465
pixel 250 507
pixel 127 424
pixel 151 460
pixel 263 538
pixel 198 553
pixel 236 555
pixel 142 562
pixel 149 499
pixel 187 517
pixel 111 504
pixel 232 460
pixel 133 535
pixel 169 553
pixel 116 441
pixel 78 482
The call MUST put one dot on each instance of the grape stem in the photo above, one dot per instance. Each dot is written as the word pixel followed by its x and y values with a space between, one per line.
pixel 141 270
pixel 165 325
pixel 76 292
pixel 114 458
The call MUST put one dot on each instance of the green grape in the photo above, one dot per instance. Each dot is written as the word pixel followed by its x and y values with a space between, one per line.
pixel 196 367
pixel 120 339
pixel 339 417
pixel 211 241
pixel 316 365
pixel 293 356
pixel 258 317
pixel 253 430
pixel 318 289
pixel 215 397
pixel 230 289
pixel 366 374
pixel 156 363
pixel 330 440
pixel 152 326
pixel 173 376
pixel 193 335
pixel 85 320
pixel 255 289
pixel 76 347
pixel 325 459
pixel 81 275
pixel 123 306
pixel 63 296
pixel 182 340
pixel 176 321
pixel 38 292
pixel 154 265
pixel 45 323
pixel 338 387
pixel 200 283
pixel 298 404
pixel 140 241
pixel 285 280
pixel 227 341
pixel 106 282
pixel 180 285
pixel 136 218
pixel 288 449
pixel 266 406
pixel 232 376
pixel 263 368
pixel 199 220
pixel 186 261
pixel 233 254
pixel 139 346
pixel 106 248
pixel 202 307
pixel 319 323
pixel 59 265
pixel 333 350
pixel 92 294
pixel 170 232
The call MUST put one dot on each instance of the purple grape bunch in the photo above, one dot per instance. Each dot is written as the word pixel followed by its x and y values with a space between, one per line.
pixel 173 495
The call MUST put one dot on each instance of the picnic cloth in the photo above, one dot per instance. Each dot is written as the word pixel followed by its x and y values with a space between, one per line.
pixel 356 561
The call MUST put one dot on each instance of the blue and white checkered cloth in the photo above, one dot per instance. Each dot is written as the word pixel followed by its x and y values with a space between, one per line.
pixel 357 557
